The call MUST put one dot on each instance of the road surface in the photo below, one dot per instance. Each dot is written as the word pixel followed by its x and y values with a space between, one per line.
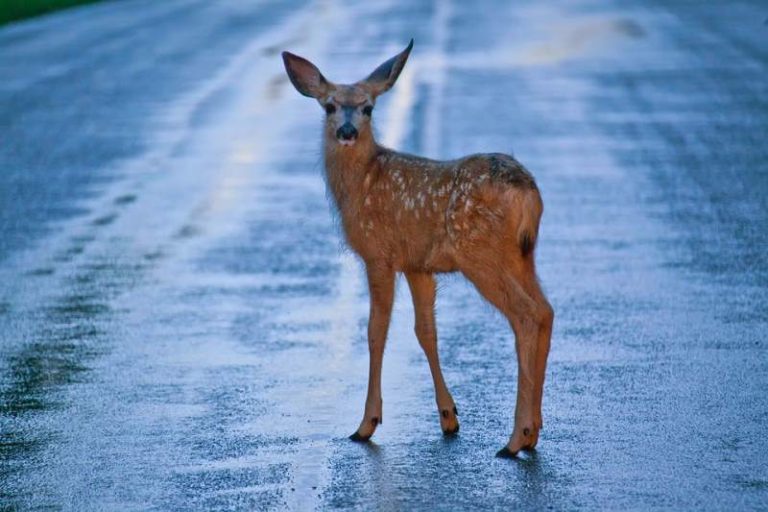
pixel 181 328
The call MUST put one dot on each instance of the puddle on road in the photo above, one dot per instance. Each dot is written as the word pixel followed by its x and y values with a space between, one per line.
pixel 553 44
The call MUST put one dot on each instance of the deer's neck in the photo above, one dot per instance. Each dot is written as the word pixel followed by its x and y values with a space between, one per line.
pixel 349 169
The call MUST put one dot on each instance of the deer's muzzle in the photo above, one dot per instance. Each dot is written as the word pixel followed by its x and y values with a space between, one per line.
pixel 346 132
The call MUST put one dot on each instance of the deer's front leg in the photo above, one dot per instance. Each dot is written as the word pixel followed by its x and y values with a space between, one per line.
pixel 381 286
pixel 423 293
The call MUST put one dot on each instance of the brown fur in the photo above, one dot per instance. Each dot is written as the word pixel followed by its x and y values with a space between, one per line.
pixel 478 215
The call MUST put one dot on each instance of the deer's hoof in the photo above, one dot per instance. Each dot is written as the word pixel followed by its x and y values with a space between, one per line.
pixel 451 431
pixel 368 426
pixel 506 453
pixel 356 437
pixel 449 423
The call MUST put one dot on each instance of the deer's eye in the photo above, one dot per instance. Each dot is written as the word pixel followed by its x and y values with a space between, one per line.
pixel 330 108
pixel 367 110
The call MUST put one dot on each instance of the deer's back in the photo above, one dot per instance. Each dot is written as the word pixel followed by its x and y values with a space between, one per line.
pixel 418 214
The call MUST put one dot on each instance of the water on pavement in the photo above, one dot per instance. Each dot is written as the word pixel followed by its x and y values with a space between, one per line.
pixel 181 328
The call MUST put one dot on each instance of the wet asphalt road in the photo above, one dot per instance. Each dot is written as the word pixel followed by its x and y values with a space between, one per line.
pixel 181 330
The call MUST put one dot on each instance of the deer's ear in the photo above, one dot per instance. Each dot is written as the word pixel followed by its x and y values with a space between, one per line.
pixel 305 77
pixel 384 76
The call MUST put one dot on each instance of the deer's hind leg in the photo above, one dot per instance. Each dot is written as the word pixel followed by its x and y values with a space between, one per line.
pixel 423 293
pixel 542 349
pixel 514 291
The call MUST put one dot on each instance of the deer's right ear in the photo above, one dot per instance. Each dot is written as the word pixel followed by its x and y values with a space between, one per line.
pixel 305 77
pixel 384 76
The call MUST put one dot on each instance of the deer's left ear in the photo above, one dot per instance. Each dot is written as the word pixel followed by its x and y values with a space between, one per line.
pixel 305 76
pixel 384 76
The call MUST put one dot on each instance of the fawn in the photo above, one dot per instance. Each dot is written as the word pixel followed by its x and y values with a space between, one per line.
pixel 478 215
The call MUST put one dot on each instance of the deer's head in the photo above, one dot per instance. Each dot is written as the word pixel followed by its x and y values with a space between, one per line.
pixel 348 107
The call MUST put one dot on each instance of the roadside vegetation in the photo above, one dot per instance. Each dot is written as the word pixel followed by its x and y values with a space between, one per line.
pixel 14 10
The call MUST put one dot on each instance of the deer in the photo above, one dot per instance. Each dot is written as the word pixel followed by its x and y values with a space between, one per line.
pixel 404 214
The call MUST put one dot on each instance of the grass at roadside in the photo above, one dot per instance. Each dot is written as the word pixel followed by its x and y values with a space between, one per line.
pixel 12 10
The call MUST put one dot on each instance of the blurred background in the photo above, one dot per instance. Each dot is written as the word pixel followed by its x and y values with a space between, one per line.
pixel 181 327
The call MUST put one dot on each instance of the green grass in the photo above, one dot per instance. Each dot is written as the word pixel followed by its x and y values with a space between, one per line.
pixel 12 10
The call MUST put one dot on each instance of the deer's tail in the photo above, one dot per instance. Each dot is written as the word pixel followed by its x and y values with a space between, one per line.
pixel 528 227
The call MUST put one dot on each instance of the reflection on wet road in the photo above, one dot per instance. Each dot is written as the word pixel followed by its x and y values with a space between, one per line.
pixel 180 327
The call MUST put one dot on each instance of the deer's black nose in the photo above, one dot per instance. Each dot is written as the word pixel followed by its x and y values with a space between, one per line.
pixel 347 132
